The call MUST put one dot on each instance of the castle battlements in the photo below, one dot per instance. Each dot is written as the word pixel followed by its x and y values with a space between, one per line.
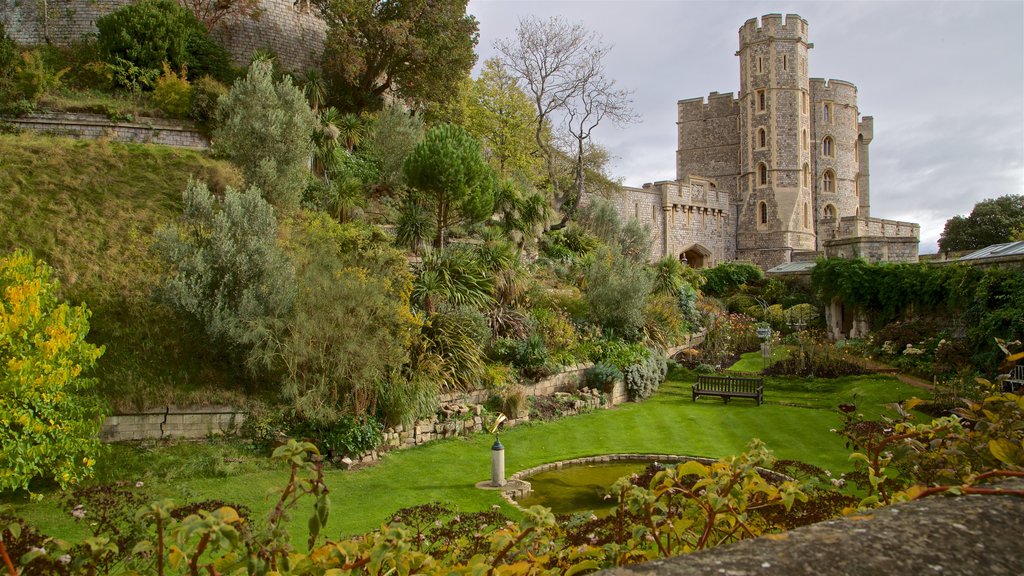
pixel 773 27
pixel 716 104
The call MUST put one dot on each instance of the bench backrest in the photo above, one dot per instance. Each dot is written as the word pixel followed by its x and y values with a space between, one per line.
pixel 726 383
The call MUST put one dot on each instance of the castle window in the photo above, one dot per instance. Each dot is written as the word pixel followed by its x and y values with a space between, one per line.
pixel 856 186
pixel 785 62
pixel 636 210
pixel 804 94
pixel 807 175
pixel 804 136
pixel 827 146
pixel 763 213
pixel 805 214
pixel 760 64
pixel 762 138
pixel 654 213
pixel 826 113
pixel 762 101
pixel 762 174
pixel 828 181
pixel 830 212
pixel 856 151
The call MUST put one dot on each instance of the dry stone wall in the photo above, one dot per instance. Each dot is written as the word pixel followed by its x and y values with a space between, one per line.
pixel 172 422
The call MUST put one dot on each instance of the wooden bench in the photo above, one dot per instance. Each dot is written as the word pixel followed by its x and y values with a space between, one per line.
pixel 729 387
pixel 1015 379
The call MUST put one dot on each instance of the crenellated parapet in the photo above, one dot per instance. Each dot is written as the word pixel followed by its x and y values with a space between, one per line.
pixel 773 26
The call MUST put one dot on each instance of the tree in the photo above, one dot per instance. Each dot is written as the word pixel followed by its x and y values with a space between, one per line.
pixel 500 115
pixel 416 49
pixel 562 69
pixel 389 141
pixel 224 268
pixel 266 129
pixel 992 221
pixel 210 13
pixel 450 172
pixel 46 427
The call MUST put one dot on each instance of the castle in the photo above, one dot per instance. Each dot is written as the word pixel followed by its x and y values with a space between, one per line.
pixel 776 175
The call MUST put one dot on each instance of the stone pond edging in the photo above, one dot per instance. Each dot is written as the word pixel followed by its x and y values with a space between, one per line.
pixel 520 485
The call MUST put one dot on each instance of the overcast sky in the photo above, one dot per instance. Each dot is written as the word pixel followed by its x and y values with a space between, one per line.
pixel 944 82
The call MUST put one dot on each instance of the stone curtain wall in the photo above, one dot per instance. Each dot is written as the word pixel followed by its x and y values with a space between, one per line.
pixel 291 30
pixel 171 422
pixel 144 131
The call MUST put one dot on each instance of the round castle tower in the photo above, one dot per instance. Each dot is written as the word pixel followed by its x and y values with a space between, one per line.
pixel 776 214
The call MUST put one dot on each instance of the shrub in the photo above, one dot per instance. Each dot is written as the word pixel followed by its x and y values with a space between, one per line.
pixel 33 78
pixel 173 94
pixel 555 328
pixel 528 355
pixel 151 32
pixel 43 359
pixel 616 289
pixel 663 321
pixel 643 379
pixel 133 78
pixel 728 276
pixel 266 128
pixel 345 436
pixel 8 53
pixel 602 376
pixel 225 270
pixel 206 92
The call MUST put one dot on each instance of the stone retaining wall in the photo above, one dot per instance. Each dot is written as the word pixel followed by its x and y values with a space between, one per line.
pixel 172 422
pixel 176 133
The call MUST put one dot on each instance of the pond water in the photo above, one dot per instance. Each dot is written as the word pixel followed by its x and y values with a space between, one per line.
pixel 579 488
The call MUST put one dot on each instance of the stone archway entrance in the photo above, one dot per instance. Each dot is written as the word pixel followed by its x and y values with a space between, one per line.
pixel 695 256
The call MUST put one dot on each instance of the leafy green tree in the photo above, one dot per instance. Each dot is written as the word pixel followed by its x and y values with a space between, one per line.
pixel 449 170
pixel 417 50
pixel 500 115
pixel 225 270
pixel 266 129
pixel 992 221
pixel 352 326
pixel 47 429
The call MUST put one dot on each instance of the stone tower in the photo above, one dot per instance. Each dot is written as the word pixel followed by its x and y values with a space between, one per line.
pixel 775 211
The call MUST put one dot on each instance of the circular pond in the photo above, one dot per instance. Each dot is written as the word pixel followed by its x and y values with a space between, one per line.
pixel 581 486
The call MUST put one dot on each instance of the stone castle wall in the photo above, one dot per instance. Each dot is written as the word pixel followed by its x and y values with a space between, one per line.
pixel 709 140
pixel 289 29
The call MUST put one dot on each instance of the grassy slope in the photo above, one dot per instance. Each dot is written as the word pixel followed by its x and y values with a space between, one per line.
pixel 794 422
pixel 89 209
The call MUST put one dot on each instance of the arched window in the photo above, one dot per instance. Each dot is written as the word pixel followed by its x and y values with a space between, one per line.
pixel 827 147
pixel 762 138
pixel 807 175
pixel 762 174
pixel 828 181
pixel 762 211
pixel 830 212
pixel 826 113
pixel 762 101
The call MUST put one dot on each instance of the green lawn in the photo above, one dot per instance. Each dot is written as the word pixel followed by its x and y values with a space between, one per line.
pixel 794 422
pixel 752 362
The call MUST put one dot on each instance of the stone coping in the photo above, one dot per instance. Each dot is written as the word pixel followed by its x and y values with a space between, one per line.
pixel 938 535
pixel 512 495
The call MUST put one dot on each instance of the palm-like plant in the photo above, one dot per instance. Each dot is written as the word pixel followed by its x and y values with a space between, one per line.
pixel 414 226
pixel 351 130
pixel 452 278
pixel 314 88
